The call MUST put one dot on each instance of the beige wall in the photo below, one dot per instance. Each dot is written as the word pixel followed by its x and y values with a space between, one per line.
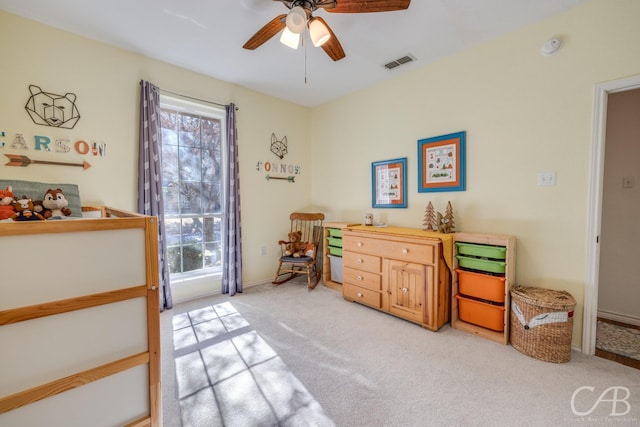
pixel 618 290
pixel 106 82
pixel 523 114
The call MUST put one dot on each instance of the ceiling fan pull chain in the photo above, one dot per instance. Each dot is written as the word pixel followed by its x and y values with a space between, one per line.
pixel 304 44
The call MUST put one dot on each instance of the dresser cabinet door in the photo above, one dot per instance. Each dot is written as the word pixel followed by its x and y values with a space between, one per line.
pixel 406 290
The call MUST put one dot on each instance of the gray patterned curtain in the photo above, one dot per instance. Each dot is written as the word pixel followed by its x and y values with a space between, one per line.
pixel 150 178
pixel 232 247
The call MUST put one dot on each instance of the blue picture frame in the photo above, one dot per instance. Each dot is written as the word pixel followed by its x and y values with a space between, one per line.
pixel 389 183
pixel 442 163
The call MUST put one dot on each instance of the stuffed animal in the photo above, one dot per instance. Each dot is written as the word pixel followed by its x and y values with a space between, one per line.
pixel 55 204
pixel 24 210
pixel 295 247
pixel 443 224
pixel 37 207
pixel 7 211
pixel 309 249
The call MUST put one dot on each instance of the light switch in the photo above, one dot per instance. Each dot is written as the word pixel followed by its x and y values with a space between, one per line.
pixel 628 181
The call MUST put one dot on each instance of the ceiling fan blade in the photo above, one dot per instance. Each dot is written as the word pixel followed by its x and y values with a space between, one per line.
pixel 265 33
pixel 332 47
pixel 365 6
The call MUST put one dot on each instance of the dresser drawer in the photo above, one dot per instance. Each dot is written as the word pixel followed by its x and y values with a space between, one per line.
pixel 360 261
pixel 364 296
pixel 390 247
pixel 362 278
pixel 411 252
pixel 365 245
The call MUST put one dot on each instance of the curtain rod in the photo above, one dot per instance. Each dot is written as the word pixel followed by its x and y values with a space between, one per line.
pixel 196 99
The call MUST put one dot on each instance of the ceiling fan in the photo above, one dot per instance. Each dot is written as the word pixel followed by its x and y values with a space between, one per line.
pixel 300 17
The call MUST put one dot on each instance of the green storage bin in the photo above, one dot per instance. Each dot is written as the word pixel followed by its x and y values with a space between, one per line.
pixel 335 232
pixel 335 251
pixel 487 265
pixel 333 241
pixel 482 251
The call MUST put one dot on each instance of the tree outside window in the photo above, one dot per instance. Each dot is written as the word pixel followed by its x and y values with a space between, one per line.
pixel 192 184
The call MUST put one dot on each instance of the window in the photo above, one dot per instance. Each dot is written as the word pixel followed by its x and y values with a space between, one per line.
pixel 192 138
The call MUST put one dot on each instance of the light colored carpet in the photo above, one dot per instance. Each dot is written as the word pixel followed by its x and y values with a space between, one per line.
pixel 228 375
pixel 366 368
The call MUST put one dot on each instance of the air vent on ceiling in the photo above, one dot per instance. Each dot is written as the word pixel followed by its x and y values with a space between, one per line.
pixel 398 62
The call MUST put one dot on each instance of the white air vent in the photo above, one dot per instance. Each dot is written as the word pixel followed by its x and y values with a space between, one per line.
pixel 397 62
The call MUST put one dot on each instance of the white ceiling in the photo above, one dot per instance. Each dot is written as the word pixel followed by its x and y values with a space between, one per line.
pixel 206 36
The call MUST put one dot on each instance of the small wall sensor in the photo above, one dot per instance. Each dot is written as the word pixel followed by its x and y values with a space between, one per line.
pixel 551 46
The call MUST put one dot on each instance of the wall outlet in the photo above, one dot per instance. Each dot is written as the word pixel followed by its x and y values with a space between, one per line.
pixel 263 251
pixel 546 178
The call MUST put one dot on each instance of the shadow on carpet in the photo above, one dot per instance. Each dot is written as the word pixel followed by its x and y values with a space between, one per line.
pixel 227 375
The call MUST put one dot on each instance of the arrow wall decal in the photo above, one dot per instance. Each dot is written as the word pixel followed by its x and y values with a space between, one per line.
pixel 285 178
pixel 18 160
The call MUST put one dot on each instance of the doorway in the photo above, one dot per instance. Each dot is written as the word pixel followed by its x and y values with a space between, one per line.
pixel 596 188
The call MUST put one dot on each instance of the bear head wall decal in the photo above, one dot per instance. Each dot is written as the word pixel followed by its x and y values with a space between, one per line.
pixel 50 109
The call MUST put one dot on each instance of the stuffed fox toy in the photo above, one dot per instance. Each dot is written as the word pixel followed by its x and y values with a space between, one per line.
pixel 6 203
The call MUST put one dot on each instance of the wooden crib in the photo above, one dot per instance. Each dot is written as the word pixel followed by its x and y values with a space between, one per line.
pixel 79 321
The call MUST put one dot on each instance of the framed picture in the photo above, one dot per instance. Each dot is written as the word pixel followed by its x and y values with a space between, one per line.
pixel 441 163
pixel 389 183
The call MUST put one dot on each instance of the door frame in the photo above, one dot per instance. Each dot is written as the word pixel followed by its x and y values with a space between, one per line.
pixel 594 222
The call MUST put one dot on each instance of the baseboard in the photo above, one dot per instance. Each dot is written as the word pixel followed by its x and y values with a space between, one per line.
pixel 253 284
pixel 188 298
pixel 624 318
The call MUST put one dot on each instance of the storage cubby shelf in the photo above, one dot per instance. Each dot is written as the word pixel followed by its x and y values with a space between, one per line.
pixel 332 235
pixel 496 255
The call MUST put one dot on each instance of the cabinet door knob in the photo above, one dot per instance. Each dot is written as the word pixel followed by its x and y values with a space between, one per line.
pixel 360 294
pixel 404 290
pixel 359 244
pixel 359 261
pixel 405 251
pixel 359 277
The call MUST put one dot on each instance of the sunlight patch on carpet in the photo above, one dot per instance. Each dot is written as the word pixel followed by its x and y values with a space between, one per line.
pixel 228 375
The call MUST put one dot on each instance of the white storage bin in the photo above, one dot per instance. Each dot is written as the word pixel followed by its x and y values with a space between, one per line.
pixel 336 268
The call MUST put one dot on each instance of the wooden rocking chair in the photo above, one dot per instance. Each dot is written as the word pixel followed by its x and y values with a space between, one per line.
pixel 310 225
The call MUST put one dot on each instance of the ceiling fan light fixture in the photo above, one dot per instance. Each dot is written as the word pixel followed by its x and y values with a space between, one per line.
pixel 290 39
pixel 296 20
pixel 319 32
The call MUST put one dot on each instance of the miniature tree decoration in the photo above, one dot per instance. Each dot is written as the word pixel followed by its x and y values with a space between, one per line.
pixel 435 221
pixel 448 216
pixel 430 219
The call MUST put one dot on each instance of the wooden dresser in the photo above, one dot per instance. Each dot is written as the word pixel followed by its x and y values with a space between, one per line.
pixel 401 271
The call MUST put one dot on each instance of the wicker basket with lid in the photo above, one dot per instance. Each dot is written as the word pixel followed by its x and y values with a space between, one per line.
pixel 542 323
